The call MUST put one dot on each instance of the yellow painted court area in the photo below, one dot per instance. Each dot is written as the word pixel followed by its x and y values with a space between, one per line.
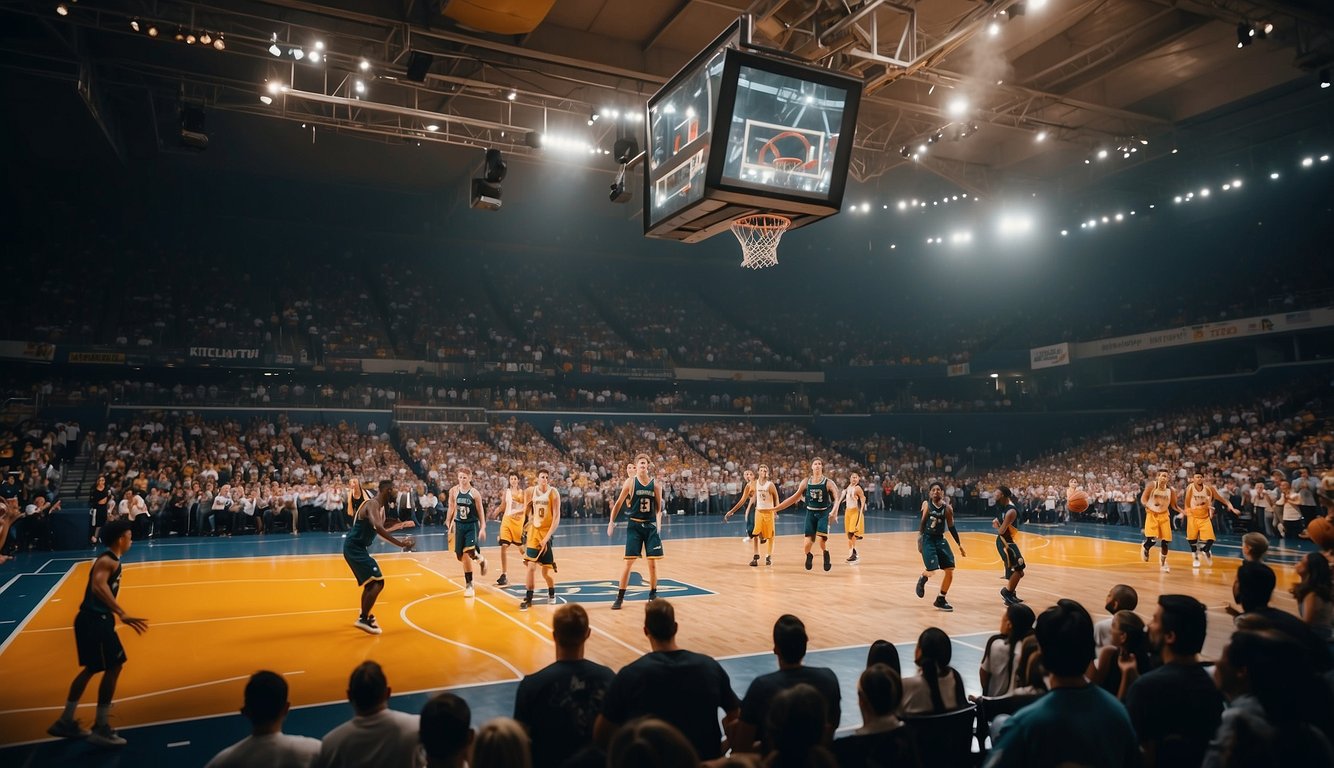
pixel 214 622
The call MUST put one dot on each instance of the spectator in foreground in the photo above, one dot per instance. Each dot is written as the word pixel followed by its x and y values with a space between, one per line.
pixel 795 730
pixel 377 735
pixel 559 703
pixel 1076 723
pixel 882 739
pixel 1174 708
pixel 501 743
pixel 790 642
pixel 647 742
pixel 266 707
pixel 939 687
pixel 446 732
pixel 1122 597
pixel 682 687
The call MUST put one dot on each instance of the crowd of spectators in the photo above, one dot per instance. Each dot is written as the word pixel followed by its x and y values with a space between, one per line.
pixel 1129 691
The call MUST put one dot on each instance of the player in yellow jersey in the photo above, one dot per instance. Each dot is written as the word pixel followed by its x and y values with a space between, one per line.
pixel 1200 498
pixel 764 495
pixel 1159 499
pixel 543 505
pixel 854 518
pixel 511 525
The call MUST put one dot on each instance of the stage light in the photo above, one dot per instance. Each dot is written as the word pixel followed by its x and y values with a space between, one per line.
pixel 152 30
pixel 205 38
pixel 903 205
pixel 1244 34
pixel 265 99
pixel 995 375
pixel 314 57
pixel 905 152
pixel 190 39
pixel 1102 154
pixel 62 9
pixel 1324 78
pixel 1105 220
pixel 1324 158
pixel 364 65
pixel 1041 137
pixel 1204 192
pixel 993 29
pixel 134 24
pixel 1307 162
pixel 297 53
pixel 1274 175
pixel 1266 29
pixel 957 107
pixel 921 149
pixel 512 95
pixel 1037 5
pixel 219 44
pixel 1119 217
pixel 360 86
pixel 866 207
pixel 319 45
pixel 273 45
pixel 432 127
pixel 1065 232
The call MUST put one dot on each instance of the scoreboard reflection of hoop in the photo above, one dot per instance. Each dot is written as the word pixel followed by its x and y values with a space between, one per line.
pixel 736 133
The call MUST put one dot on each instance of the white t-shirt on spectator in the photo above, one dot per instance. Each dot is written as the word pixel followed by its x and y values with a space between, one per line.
pixel 917 695
pixel 387 737
pixel 272 750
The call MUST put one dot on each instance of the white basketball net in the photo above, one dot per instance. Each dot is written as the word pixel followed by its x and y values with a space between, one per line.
pixel 759 235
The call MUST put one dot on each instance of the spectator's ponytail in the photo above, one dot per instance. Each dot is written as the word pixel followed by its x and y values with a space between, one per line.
pixel 934 654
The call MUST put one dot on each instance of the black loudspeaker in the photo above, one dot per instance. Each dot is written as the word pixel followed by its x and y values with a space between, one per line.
pixel 419 64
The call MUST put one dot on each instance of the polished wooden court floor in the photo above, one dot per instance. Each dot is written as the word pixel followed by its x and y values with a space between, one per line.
pixel 221 609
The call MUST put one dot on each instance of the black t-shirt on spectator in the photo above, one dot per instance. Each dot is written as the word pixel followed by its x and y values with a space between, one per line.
pixel 1288 624
pixel 682 687
pixel 897 748
pixel 755 707
pixel 558 705
pixel 1177 707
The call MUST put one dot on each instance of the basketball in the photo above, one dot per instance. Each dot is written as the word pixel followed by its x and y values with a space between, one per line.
pixel 409 543
pixel 1321 531
pixel 1077 502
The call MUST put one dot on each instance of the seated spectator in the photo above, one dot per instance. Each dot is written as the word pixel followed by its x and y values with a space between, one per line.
pixel 1278 712
pixel 1000 658
pixel 1129 640
pixel 881 740
pixel 1175 708
pixel 501 743
pixel 1253 588
pixel 1122 597
pixel 377 735
pixel 1077 723
pixel 559 703
pixel 682 687
pixel 794 730
pixel 790 647
pixel 1314 605
pixel 446 732
pixel 939 687
pixel 647 742
pixel 266 707
pixel 884 652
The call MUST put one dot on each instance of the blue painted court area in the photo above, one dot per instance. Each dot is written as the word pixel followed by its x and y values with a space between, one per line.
pixel 26 582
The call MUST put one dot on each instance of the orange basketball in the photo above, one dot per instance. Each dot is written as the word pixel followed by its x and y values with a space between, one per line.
pixel 1077 502
pixel 1321 531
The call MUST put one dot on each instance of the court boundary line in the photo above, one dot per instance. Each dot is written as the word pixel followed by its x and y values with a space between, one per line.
pixel 4 645
pixel 218 618
pixel 403 615
pixel 141 696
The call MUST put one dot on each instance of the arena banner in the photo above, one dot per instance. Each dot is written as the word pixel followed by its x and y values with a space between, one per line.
pixel 1050 356
pixel 31 351
pixel 92 357
pixel 1208 332
pixel 719 374
pixel 958 369
pixel 224 353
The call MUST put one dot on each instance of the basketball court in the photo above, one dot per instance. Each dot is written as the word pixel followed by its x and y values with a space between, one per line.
pixel 219 609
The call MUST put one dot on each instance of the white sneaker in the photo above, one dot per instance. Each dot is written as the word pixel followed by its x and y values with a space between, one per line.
pixel 105 736
pixel 1209 558
pixel 551 601
pixel 1162 566
pixel 368 626
pixel 1195 561
pixel 1145 552
pixel 468 591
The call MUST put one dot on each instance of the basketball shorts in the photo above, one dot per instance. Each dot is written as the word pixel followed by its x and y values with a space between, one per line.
pixel 642 540
pixel 511 529
pixel 533 553
pixel 936 552
pixel 465 538
pixel 817 524
pixel 363 566
pixel 95 637
pixel 1158 525
pixel 764 525
pixel 1010 554
pixel 854 523
pixel 1199 526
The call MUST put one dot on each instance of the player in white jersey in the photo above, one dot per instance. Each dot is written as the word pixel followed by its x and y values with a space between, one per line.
pixel 763 494
pixel 1159 499
pixel 511 525
pixel 854 516
pixel 1200 498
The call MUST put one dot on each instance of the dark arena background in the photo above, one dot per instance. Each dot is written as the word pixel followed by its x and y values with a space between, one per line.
pixel 1069 256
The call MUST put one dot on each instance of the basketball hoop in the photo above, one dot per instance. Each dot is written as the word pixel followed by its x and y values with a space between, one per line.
pixel 784 167
pixel 759 235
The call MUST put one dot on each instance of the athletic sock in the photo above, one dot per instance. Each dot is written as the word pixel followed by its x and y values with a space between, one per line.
pixel 1194 546
pixel 70 706
pixel 102 711
pixel 620 594
pixel 467 578
pixel 528 596
pixel 551 592
pixel 1163 546
pixel 1208 545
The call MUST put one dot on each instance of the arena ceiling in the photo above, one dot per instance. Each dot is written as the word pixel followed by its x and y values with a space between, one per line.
pixel 1045 85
